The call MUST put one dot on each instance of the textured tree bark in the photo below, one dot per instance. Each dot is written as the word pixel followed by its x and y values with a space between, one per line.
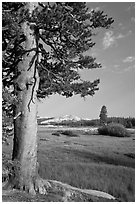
pixel 25 174
pixel 25 136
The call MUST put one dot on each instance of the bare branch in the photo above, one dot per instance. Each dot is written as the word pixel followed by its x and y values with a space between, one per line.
pixel 17 115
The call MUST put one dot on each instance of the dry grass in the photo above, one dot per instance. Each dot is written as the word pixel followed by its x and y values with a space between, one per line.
pixel 88 161
pixel 117 181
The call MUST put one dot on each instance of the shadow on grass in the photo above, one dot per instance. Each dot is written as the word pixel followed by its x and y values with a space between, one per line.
pixel 91 157
pixel 89 171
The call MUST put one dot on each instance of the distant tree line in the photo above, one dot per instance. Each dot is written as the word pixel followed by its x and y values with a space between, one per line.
pixel 127 122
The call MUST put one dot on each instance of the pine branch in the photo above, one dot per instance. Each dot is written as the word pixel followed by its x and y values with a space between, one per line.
pixel 50 72
pixel 51 45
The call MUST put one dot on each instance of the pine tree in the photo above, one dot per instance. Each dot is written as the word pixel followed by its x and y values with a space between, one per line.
pixel 103 115
pixel 44 48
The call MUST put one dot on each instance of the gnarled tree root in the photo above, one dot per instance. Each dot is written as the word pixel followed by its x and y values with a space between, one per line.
pixel 70 190
pixel 42 186
pixel 38 185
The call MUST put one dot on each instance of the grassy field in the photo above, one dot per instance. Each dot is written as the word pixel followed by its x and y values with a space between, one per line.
pixel 88 160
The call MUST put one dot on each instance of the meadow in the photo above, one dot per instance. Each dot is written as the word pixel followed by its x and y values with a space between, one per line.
pixel 90 161
pixel 87 160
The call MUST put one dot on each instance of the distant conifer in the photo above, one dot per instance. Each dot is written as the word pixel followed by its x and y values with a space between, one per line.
pixel 103 115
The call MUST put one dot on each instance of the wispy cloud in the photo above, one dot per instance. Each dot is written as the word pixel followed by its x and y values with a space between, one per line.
pixel 123 68
pixel 129 33
pixel 97 8
pixel 118 69
pixel 116 66
pixel 129 68
pixel 119 36
pixel 129 59
pixel 131 6
pixel 110 39
pixel 121 26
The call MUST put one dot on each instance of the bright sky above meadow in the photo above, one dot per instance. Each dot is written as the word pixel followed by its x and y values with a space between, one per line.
pixel 115 50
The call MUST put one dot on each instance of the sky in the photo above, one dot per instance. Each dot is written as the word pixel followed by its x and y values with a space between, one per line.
pixel 115 50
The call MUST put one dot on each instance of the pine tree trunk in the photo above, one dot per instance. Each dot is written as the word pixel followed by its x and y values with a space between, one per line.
pixel 25 121
pixel 25 125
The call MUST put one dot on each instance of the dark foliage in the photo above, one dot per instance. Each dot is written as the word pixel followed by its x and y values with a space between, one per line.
pixel 68 133
pixel 114 129
pixel 7 115
pixel 103 115
pixel 63 33
pixel 126 122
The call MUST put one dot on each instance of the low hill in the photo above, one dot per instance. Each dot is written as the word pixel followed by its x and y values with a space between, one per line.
pixel 67 118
